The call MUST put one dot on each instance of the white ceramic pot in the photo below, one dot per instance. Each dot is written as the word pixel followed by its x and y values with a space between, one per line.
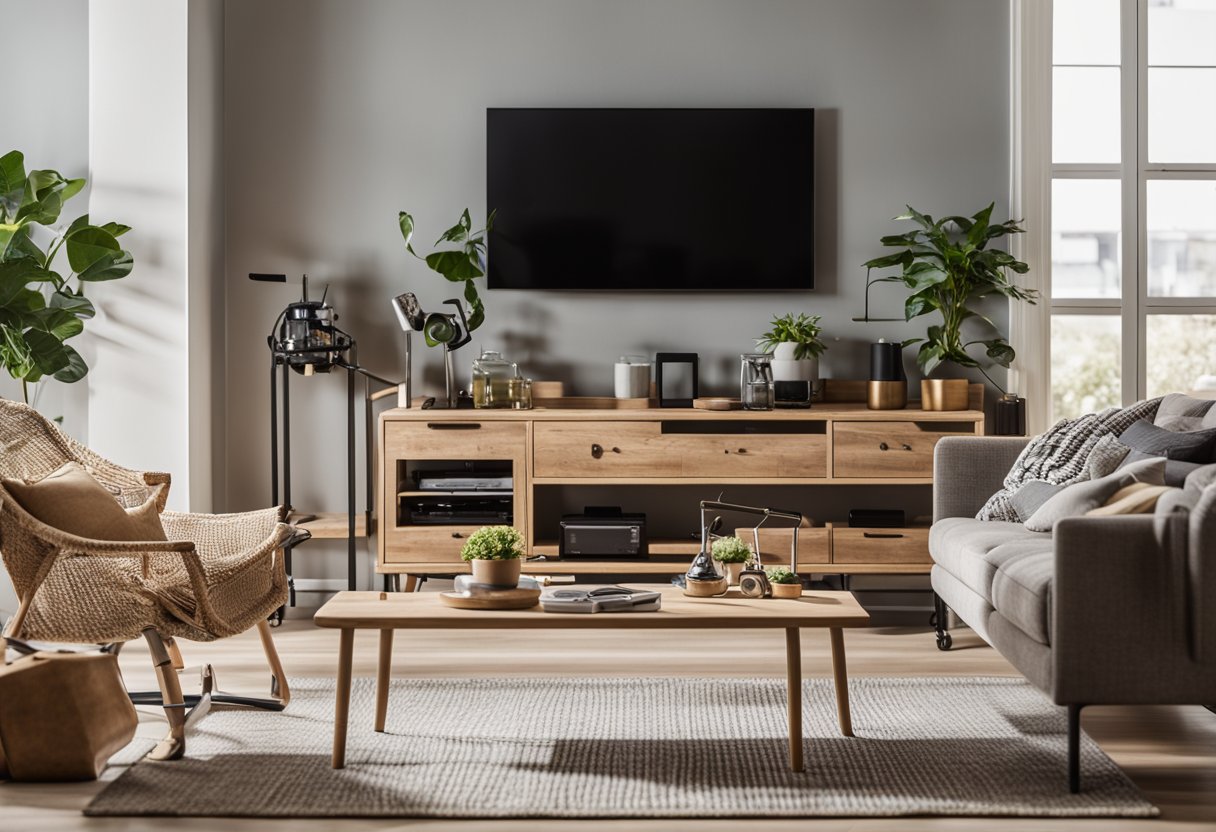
pixel 732 572
pixel 788 368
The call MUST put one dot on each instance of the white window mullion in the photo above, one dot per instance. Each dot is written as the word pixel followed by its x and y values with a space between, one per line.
pixel 1132 49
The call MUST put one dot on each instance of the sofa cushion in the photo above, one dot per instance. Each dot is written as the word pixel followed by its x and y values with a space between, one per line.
pixel 1021 592
pixel 972 550
pixel 1179 411
pixel 1082 497
pixel 1186 445
pixel 1176 470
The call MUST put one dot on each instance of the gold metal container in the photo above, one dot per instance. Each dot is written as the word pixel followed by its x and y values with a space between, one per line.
pixel 887 395
pixel 944 393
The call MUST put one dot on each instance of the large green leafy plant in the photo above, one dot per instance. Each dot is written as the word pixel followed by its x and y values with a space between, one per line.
pixel 947 265
pixel 40 308
pixel 463 264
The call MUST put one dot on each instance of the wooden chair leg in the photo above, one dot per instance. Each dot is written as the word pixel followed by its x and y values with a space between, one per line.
pixel 173 746
pixel 278 685
pixel 175 653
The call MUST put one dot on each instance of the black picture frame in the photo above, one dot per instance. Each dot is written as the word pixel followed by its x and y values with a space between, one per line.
pixel 689 358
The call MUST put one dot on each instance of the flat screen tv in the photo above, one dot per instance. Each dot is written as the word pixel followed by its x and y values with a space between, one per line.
pixel 651 199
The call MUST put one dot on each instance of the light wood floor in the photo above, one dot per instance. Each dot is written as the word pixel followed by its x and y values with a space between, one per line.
pixel 1169 752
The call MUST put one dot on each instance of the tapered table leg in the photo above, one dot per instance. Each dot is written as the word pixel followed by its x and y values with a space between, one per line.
pixel 793 670
pixel 384 670
pixel 840 677
pixel 346 649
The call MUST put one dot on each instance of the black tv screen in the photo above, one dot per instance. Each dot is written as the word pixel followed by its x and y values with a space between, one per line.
pixel 651 199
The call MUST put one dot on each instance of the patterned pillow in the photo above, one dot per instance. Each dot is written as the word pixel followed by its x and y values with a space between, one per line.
pixel 1061 455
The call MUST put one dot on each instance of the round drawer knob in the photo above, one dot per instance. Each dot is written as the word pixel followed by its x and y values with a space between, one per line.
pixel 597 450
pixel 457 535
pixel 882 446
pixel 907 447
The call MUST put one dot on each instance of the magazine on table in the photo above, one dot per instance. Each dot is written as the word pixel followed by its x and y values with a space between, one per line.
pixel 592 599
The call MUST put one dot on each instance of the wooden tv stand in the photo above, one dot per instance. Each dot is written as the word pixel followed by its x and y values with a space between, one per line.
pixel 833 444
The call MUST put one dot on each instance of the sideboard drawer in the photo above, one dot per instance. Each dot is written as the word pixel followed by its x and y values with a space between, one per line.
pixel 658 449
pixel 855 545
pixel 889 449
pixel 449 438
pixel 426 544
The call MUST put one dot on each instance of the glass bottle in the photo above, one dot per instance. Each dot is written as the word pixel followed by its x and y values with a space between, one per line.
pixel 492 375
pixel 756 381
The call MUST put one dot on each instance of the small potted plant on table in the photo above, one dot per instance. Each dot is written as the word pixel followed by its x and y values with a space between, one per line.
pixel 732 553
pixel 786 584
pixel 494 552
pixel 796 345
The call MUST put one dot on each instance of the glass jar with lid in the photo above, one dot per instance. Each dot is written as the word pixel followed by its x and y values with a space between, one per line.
pixel 492 377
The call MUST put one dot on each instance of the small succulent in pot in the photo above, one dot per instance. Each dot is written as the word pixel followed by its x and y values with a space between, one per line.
pixel 733 553
pixel 796 345
pixel 494 552
pixel 786 584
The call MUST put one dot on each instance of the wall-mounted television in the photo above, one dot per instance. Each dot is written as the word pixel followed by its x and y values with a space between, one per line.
pixel 651 199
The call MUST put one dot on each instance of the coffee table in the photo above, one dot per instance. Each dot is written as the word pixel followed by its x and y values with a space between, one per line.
pixel 389 611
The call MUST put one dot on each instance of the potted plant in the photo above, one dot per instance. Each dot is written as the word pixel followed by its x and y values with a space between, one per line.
pixel 947 265
pixel 494 552
pixel 40 309
pixel 732 553
pixel 796 346
pixel 786 584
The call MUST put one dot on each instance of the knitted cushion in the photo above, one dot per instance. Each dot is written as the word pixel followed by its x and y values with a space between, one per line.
pixel 70 500
pixel 1061 455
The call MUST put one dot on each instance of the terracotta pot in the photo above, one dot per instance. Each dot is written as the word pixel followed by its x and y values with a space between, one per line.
pixel 502 574
pixel 732 572
pixel 944 393
pixel 787 590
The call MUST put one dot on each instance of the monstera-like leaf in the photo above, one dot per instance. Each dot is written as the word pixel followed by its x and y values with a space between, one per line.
pixel 460 265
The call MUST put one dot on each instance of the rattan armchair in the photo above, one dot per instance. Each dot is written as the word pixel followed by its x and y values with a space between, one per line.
pixel 218 575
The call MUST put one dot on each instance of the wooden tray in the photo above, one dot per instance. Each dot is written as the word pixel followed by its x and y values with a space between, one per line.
pixel 591 403
pixel 717 404
pixel 500 599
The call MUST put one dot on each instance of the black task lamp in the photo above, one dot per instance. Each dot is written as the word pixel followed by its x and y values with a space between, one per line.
pixel 451 330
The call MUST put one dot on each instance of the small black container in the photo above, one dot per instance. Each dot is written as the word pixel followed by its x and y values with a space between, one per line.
pixel 1010 416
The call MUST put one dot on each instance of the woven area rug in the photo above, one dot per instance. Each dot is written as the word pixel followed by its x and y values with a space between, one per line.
pixel 500 748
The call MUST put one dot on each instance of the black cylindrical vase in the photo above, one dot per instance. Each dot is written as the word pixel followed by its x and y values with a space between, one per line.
pixel 1010 416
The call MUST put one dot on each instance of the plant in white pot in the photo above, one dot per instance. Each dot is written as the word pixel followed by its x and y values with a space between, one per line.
pixel 732 553
pixel 796 347
pixel 494 553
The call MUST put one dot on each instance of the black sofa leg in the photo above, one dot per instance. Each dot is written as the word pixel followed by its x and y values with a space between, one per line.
pixel 939 621
pixel 1074 748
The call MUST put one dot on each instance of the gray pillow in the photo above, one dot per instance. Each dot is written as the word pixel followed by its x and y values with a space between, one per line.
pixel 1076 500
pixel 1181 499
pixel 1200 478
pixel 1188 446
pixel 1176 471
pixel 1106 455
pixel 1179 411
pixel 1027 499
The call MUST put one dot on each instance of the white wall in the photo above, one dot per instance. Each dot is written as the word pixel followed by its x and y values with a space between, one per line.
pixel 340 113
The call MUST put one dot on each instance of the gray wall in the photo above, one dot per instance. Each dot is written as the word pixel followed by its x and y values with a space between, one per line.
pixel 46 116
pixel 340 114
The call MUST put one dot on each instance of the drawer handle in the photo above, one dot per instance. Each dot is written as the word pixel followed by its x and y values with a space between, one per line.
pixel 457 535
pixel 881 535
pixel 906 446
pixel 453 425
pixel 882 446
pixel 616 450
pixel 742 450
pixel 597 450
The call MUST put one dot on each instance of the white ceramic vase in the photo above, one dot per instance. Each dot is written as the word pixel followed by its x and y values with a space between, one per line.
pixel 788 368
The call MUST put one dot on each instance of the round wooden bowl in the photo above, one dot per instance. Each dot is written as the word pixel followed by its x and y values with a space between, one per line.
pixel 705 589
pixel 497 599
pixel 787 590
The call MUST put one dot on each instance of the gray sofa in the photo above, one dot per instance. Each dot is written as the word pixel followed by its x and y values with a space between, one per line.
pixel 1110 610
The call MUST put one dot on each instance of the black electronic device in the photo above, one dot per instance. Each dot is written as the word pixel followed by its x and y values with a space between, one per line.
pixel 644 188
pixel 877 518
pixel 603 533
pixel 792 393
pixel 458 509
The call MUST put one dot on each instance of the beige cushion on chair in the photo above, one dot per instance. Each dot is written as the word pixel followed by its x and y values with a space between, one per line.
pixel 70 500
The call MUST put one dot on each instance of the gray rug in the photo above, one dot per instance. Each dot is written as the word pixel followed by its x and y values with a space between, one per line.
pixel 499 748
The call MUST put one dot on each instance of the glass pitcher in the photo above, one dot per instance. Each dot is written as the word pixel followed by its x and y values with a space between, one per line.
pixel 756 381
pixel 492 377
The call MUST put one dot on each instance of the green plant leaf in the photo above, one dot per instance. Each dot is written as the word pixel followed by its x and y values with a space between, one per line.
pixel 78 305
pixel 15 275
pixel 59 322
pixel 454 265
pixel 477 310
pixel 116 228
pixel 438 328
pixel 459 232
pixel 917 305
pixel 12 184
pixel 888 260
pixel 1000 352
pixel 110 266
pixel 490 220
pixel 47 351
pixel 406 222
pixel 75 370
pixel 89 244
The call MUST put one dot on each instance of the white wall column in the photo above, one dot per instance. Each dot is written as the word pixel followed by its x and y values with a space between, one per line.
pixel 154 160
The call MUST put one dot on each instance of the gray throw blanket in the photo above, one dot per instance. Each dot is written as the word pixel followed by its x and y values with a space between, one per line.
pixel 1061 455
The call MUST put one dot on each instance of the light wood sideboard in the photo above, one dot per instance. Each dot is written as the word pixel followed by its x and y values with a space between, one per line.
pixel 837 444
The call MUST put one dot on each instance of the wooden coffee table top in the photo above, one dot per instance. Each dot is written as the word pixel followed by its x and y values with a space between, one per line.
pixel 424 610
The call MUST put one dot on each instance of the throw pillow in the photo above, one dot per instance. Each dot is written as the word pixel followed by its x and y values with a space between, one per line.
pixel 1060 455
pixel 1188 445
pixel 70 500
pixel 1027 499
pixel 1083 497
pixel 1137 498
pixel 1201 478
pixel 1179 411
pixel 1176 471
pixel 1107 454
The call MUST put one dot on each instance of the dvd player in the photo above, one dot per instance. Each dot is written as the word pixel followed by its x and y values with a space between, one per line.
pixel 464 482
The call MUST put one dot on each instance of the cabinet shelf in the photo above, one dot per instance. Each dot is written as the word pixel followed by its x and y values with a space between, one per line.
pixel 328 525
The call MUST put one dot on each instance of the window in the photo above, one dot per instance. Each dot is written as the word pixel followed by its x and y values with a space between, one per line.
pixel 1133 200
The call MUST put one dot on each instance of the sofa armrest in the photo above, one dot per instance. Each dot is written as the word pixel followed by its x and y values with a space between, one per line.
pixel 1120 631
pixel 967 470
